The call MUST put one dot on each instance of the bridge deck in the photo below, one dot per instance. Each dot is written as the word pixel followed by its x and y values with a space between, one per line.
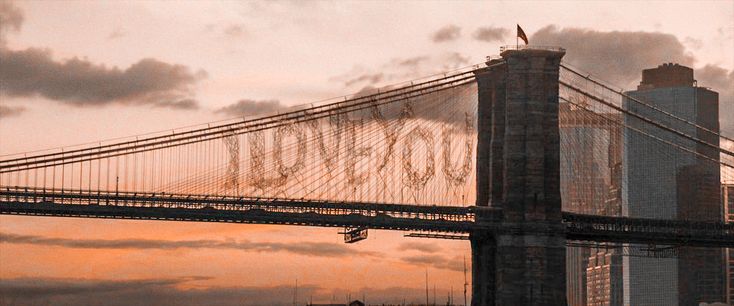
pixel 172 207
pixel 176 207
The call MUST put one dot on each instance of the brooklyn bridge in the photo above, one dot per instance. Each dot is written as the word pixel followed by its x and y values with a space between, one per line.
pixel 524 156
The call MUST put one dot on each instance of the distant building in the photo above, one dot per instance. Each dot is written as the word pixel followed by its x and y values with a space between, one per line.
pixel 352 303
pixel 604 275
pixel 591 184
pixel 360 303
pixel 679 181
pixel 728 197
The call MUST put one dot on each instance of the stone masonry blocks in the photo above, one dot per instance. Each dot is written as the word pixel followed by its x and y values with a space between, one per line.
pixel 518 170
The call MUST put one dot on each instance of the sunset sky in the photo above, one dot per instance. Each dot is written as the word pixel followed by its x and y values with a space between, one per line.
pixel 79 71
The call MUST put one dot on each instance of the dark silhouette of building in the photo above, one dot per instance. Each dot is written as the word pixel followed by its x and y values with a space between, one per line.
pixel 667 75
pixel 360 303
pixel 352 303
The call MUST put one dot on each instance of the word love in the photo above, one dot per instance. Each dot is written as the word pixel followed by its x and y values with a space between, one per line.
pixel 340 143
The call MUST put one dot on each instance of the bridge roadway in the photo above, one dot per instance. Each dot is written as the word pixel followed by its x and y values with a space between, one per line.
pixel 443 219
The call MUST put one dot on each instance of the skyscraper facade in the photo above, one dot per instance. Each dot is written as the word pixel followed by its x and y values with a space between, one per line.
pixel 727 193
pixel 665 176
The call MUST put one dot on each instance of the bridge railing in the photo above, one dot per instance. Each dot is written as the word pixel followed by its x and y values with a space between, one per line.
pixel 643 230
pixel 531 47
pixel 230 203
pixel 157 206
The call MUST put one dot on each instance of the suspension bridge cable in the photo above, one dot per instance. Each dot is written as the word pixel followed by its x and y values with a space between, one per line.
pixel 649 135
pixel 355 101
pixel 374 127
pixel 301 114
pixel 638 101
pixel 647 120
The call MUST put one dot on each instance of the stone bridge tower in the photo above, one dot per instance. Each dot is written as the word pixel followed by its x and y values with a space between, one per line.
pixel 521 261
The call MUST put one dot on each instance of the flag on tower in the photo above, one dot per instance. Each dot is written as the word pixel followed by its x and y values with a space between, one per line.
pixel 521 34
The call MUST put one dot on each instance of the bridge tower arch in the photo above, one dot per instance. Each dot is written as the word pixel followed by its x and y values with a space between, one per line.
pixel 521 261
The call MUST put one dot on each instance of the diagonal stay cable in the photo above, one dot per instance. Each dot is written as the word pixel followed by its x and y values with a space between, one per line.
pixel 355 101
pixel 648 134
pixel 638 101
pixel 302 116
pixel 647 120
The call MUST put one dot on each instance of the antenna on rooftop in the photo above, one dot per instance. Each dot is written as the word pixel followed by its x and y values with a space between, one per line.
pixel 465 284
pixel 427 301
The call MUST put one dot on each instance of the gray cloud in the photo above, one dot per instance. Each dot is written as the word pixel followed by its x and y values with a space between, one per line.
pixel 417 246
pixel 420 66
pixel 370 78
pixel 79 82
pixel 234 30
pixel 247 107
pixel 116 33
pixel 29 287
pixel 436 261
pixel 490 34
pixel 454 116
pixel 401 69
pixel 397 69
pixel 453 60
pixel 693 43
pixel 317 249
pixel 185 104
pixel 169 291
pixel 447 33
pixel 369 90
pixel 50 291
pixel 410 62
pixel 11 19
pixel 722 81
pixel 10 111
pixel 620 57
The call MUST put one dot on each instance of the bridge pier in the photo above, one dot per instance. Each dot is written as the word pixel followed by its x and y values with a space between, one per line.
pixel 518 170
